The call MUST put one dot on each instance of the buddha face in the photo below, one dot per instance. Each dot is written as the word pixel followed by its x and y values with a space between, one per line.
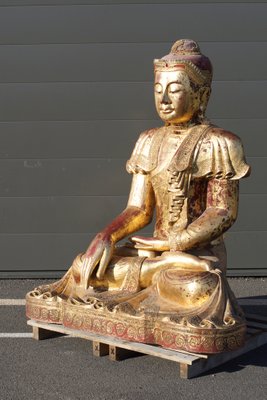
pixel 175 99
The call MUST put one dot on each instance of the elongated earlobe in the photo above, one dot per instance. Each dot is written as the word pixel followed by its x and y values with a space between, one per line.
pixel 204 99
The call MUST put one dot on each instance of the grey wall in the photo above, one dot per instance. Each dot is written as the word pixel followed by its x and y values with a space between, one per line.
pixel 76 91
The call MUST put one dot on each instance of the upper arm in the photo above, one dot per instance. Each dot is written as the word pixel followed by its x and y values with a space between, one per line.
pixel 223 194
pixel 142 194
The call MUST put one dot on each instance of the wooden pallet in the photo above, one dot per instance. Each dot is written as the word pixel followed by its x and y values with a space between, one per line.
pixel 191 365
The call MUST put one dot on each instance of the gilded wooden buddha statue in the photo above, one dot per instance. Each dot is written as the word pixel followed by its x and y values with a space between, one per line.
pixel 169 289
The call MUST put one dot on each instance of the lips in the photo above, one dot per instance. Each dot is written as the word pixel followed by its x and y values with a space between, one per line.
pixel 166 110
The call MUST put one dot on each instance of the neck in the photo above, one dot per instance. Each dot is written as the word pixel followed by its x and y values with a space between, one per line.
pixel 182 125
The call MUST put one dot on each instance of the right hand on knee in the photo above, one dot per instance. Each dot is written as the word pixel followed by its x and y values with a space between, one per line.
pixel 97 256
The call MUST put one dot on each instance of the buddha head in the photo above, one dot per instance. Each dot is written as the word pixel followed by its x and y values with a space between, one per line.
pixel 182 84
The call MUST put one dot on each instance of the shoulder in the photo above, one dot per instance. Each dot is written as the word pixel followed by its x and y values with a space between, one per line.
pixel 216 134
pixel 225 142
pixel 145 138
pixel 143 157
pixel 221 155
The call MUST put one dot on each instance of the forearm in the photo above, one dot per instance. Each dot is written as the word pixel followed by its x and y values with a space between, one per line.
pixel 129 221
pixel 219 216
pixel 139 210
pixel 209 226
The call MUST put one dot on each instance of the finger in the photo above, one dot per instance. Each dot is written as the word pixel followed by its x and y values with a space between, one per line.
pixel 85 264
pixel 84 272
pixel 104 262
pixel 89 265
pixel 133 239
pixel 143 246
pixel 158 245
pixel 140 239
pixel 210 258
pixel 87 272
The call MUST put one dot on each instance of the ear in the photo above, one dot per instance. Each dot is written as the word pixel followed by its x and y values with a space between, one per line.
pixel 204 96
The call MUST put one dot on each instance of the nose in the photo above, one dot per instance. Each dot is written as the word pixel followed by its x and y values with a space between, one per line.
pixel 165 98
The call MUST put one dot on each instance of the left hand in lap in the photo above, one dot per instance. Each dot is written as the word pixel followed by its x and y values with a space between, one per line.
pixel 150 243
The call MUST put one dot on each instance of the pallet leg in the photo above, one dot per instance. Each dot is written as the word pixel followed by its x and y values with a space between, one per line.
pixel 100 349
pixel 119 354
pixel 184 371
pixel 42 334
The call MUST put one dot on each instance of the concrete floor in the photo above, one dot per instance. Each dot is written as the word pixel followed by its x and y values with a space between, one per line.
pixel 64 368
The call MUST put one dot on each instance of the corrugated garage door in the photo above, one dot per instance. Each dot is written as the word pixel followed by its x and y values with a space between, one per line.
pixel 76 91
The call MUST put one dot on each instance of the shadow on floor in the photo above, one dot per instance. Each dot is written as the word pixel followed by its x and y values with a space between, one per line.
pixel 254 305
pixel 258 357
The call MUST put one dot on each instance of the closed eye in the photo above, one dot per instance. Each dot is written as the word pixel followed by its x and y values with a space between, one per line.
pixel 175 91
pixel 175 87
pixel 158 88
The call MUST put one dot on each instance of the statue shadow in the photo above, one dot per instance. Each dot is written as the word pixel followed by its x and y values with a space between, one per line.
pixel 256 305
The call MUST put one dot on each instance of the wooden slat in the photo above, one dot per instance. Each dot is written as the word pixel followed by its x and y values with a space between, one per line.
pixel 118 353
pixel 105 138
pixel 108 177
pixel 71 139
pixel 40 252
pixel 37 274
pixel 76 101
pixel 54 214
pixel 238 271
pixel 87 101
pixel 252 215
pixel 79 24
pixel 251 132
pixel 75 177
pixel 257 317
pixel 54 252
pixel 90 213
pixel 227 100
pixel 253 301
pixel 252 331
pixel 87 62
pixel 242 248
pixel 254 184
pixel 107 2
pixel 257 325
